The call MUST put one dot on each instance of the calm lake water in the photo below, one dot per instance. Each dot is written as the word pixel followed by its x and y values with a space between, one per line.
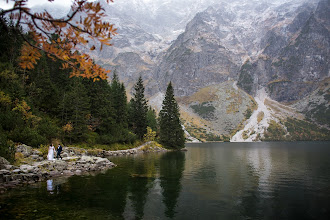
pixel 210 181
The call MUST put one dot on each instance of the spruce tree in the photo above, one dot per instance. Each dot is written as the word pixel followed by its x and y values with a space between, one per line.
pixel 152 119
pixel 138 110
pixel 77 110
pixel 118 101
pixel 171 132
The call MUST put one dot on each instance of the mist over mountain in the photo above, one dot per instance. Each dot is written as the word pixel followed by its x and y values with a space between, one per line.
pixel 224 56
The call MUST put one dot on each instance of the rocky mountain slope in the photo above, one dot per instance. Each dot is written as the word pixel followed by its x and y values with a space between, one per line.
pixel 251 67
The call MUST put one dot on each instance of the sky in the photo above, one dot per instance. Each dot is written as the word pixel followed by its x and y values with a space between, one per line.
pixel 31 3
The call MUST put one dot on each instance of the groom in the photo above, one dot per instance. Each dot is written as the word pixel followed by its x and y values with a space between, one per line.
pixel 59 150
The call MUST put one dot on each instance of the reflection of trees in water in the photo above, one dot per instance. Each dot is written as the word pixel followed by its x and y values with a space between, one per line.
pixel 138 187
pixel 171 169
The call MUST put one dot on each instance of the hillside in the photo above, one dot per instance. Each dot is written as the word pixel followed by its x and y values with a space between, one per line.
pixel 232 50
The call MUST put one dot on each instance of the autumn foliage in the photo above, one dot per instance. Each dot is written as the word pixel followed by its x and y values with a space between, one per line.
pixel 63 38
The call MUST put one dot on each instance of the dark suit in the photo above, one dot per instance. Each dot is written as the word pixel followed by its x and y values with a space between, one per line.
pixel 59 150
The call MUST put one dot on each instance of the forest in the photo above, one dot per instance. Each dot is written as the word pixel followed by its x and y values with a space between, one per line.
pixel 46 104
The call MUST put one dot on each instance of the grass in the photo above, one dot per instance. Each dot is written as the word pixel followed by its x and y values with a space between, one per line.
pixel 112 147
pixel 207 94
pixel 151 146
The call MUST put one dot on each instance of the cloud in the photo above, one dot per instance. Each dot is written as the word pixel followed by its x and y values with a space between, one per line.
pixel 31 3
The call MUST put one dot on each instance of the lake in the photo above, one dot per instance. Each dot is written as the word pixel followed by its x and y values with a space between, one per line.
pixel 275 180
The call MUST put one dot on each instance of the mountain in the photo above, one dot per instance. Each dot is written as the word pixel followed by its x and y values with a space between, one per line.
pixel 277 52
pixel 241 69
pixel 294 59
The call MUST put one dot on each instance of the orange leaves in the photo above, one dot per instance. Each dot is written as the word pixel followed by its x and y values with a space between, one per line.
pixel 72 34
pixel 29 56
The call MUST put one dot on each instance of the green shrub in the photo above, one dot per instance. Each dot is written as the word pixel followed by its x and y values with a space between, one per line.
pixel 28 136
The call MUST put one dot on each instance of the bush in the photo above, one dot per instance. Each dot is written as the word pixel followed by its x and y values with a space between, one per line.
pixel 28 136
pixel 150 135
pixel 44 150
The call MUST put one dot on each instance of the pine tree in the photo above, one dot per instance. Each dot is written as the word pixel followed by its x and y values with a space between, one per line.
pixel 171 132
pixel 138 110
pixel 77 110
pixel 152 119
pixel 118 100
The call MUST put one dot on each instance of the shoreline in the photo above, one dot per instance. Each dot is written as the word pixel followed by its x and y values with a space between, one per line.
pixel 76 161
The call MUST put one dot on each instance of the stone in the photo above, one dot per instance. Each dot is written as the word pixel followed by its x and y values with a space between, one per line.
pixel 67 172
pixel 34 157
pixel 36 152
pixel 24 149
pixel 53 173
pixel 3 171
pixel 16 171
pixel 17 177
pixel 3 163
pixel 26 168
pixel 8 167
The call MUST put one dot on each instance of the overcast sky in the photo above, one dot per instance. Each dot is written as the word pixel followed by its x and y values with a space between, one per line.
pixel 31 3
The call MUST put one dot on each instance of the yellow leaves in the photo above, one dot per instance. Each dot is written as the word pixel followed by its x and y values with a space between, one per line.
pixel 23 108
pixel 5 99
pixel 68 127
pixel 150 135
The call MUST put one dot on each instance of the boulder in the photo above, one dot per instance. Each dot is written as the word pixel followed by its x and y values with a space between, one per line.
pixel 16 171
pixel 3 163
pixel 68 173
pixel 24 149
pixel 8 167
pixel 3 171
pixel 27 168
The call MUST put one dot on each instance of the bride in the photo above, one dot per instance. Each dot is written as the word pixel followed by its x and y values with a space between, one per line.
pixel 51 151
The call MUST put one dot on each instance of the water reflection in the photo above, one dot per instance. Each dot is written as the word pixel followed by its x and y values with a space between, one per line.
pixel 171 169
pixel 210 181
pixel 50 186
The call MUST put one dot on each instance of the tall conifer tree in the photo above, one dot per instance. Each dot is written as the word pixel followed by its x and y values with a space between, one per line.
pixel 138 110
pixel 171 132
pixel 119 101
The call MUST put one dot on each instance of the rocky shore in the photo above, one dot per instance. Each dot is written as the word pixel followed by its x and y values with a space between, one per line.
pixel 76 161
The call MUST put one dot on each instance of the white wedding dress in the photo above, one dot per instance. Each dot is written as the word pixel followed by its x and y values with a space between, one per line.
pixel 51 151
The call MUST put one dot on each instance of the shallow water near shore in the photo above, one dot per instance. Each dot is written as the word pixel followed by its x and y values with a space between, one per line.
pixel 275 180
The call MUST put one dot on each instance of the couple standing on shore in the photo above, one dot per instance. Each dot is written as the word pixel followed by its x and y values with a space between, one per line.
pixel 51 152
